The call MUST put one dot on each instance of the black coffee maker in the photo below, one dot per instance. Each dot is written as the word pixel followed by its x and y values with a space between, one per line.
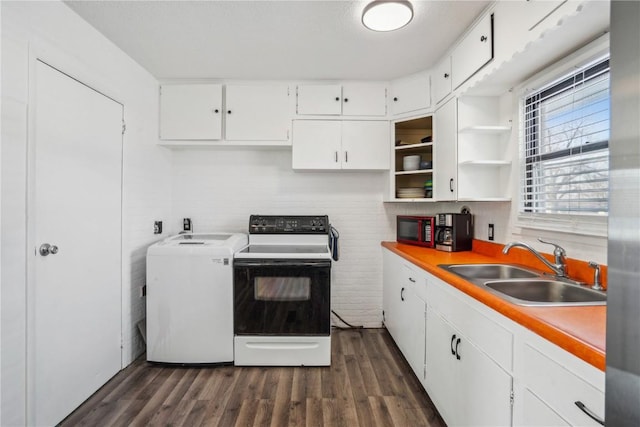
pixel 454 232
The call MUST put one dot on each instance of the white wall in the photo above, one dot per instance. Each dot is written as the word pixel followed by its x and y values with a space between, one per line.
pixel 51 30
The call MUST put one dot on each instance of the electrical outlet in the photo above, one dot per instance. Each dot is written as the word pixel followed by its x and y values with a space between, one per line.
pixel 157 227
pixel 490 234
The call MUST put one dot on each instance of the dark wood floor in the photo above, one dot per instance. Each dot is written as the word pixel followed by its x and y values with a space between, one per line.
pixel 368 384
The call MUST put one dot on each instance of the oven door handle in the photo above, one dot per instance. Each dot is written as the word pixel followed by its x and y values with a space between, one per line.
pixel 282 263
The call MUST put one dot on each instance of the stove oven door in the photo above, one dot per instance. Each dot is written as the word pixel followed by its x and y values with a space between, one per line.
pixel 282 297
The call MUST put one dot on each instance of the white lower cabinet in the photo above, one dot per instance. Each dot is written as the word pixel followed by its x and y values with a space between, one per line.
pixel 479 367
pixel 537 413
pixel 405 309
pixel 466 385
pixel 558 389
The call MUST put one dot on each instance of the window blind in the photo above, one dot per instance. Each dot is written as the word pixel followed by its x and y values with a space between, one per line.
pixel 565 144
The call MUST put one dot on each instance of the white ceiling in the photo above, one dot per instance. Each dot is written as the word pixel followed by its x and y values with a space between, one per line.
pixel 276 39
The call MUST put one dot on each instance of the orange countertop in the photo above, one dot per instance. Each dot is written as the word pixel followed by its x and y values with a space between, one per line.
pixel 579 330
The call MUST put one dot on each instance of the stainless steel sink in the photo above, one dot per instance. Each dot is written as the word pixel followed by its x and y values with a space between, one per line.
pixel 522 286
pixel 481 272
pixel 546 292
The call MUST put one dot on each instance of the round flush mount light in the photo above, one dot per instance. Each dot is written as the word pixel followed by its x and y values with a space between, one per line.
pixel 387 15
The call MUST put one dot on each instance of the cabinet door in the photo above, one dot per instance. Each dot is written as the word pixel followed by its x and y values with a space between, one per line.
pixel 442 79
pixel 392 281
pixel 191 112
pixel 483 392
pixel 441 377
pixel 555 382
pixel 414 326
pixel 257 113
pixel 473 52
pixel 536 11
pixel 365 145
pixel 410 94
pixel 316 144
pixel 539 414
pixel 364 99
pixel 404 310
pixel 319 100
pixel 445 163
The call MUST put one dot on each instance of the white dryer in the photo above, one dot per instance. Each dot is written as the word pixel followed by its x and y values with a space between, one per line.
pixel 190 298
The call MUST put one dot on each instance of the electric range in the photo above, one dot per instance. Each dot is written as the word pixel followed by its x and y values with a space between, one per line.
pixel 282 292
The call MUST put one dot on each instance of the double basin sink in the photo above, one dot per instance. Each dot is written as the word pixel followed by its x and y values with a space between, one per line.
pixel 522 286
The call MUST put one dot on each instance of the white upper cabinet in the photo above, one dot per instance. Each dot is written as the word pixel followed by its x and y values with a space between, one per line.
pixel 319 99
pixel 473 52
pixel 257 113
pixel 191 112
pixel 252 112
pixel 445 152
pixel 365 144
pixel 537 11
pixel 410 94
pixel 317 144
pixel 364 99
pixel 442 79
pixel 352 99
pixel 334 144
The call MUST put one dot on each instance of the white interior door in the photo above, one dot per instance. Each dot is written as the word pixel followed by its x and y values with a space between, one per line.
pixel 74 318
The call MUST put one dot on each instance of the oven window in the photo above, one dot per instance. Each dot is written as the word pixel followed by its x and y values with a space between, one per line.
pixel 282 288
pixel 291 297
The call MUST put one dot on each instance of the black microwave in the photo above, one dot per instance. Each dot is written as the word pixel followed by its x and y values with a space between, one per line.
pixel 416 230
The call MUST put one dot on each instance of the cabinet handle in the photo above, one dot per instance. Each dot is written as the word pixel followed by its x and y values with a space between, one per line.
pixel 411 279
pixel 451 185
pixel 483 38
pixel 337 98
pixel 446 75
pixel 402 294
pixel 336 157
pixel 346 156
pixel 346 100
pixel 216 111
pixel 395 99
pixel 228 111
pixel 453 338
pixel 589 413
pixel 457 344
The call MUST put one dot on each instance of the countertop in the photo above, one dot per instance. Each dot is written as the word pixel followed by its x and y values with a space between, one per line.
pixel 579 330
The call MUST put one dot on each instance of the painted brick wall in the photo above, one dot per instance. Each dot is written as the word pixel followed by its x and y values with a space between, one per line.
pixel 219 188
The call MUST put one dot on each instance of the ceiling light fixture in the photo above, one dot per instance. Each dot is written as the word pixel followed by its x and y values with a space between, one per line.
pixel 387 15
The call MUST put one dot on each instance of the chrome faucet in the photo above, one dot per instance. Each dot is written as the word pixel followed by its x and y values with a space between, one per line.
pixel 559 267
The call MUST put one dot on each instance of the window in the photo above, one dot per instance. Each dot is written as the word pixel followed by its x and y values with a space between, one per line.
pixel 565 144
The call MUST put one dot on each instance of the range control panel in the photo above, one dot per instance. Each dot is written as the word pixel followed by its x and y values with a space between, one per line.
pixel 301 224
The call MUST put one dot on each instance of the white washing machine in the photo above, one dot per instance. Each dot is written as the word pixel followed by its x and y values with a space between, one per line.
pixel 190 298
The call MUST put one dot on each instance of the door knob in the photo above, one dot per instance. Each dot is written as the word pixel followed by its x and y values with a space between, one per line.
pixel 46 249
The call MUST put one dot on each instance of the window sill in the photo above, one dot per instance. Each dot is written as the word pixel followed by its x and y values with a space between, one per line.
pixel 596 226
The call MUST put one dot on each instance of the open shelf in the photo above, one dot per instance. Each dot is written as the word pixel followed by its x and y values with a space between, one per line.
pixel 412 137
pixel 417 172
